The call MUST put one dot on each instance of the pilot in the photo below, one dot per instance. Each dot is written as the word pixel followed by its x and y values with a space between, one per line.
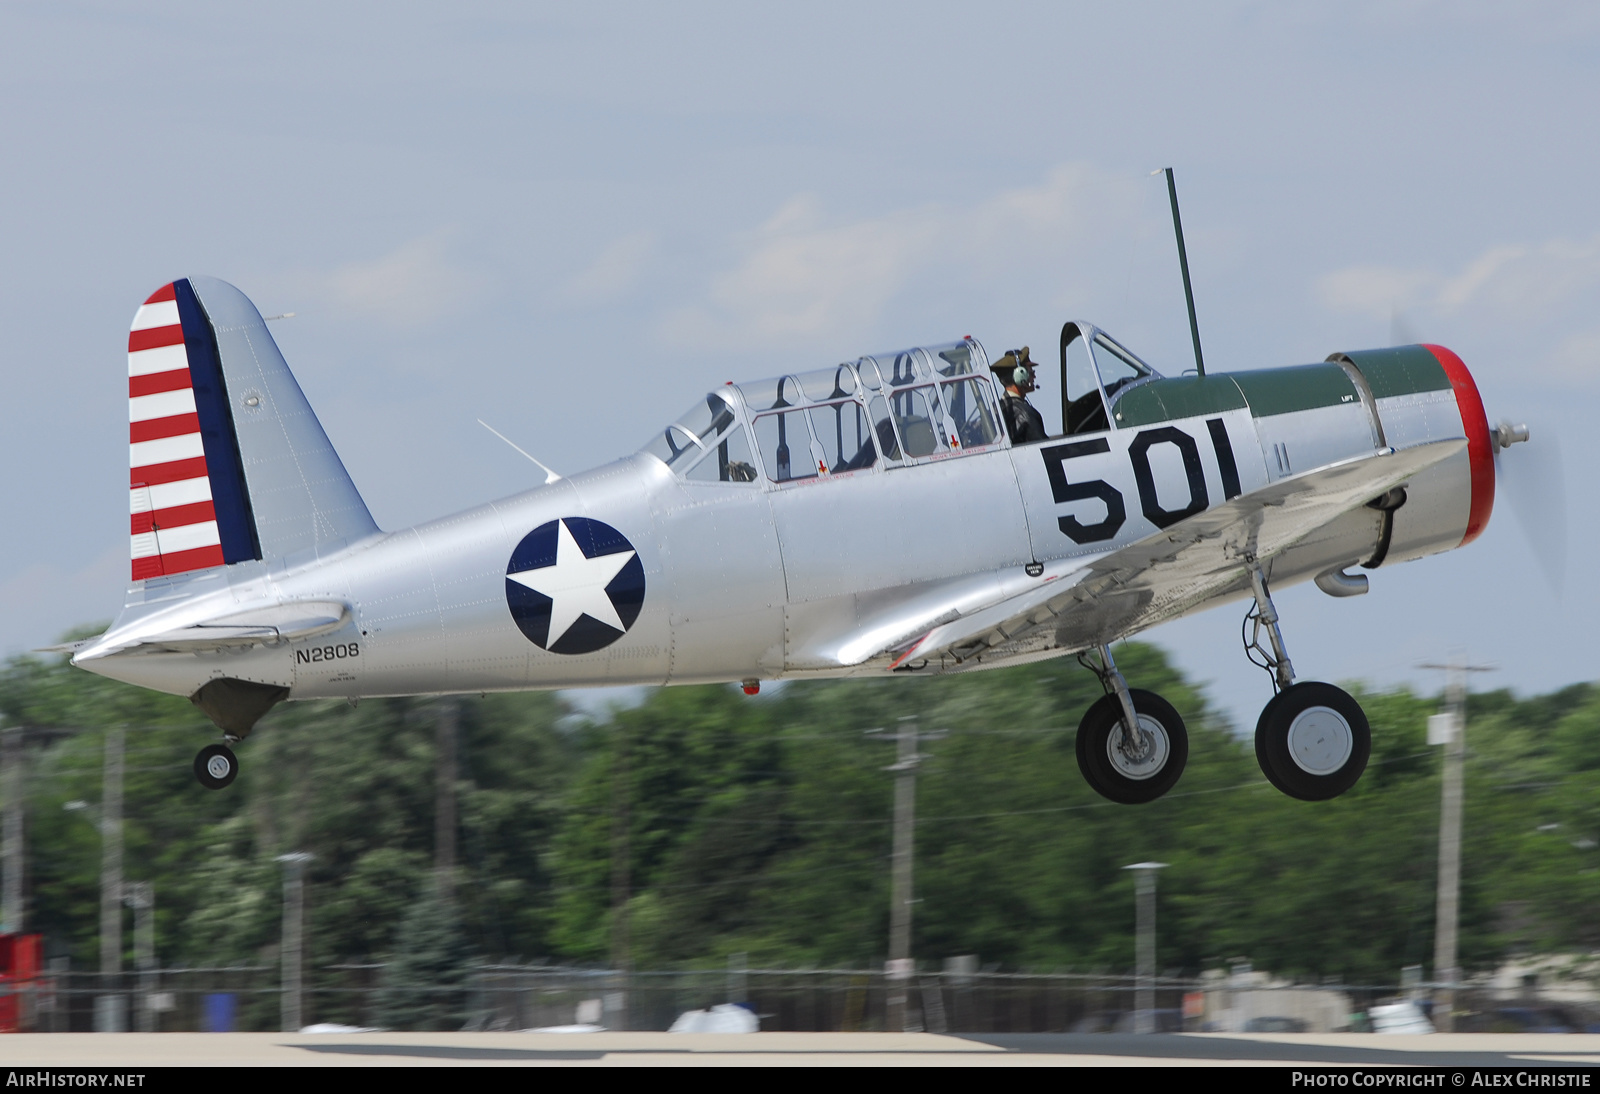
pixel 1016 371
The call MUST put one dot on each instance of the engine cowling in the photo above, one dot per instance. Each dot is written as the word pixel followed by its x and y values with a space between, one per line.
pixel 1425 393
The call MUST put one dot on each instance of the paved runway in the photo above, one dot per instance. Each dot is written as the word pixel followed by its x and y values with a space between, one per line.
pixel 131 1051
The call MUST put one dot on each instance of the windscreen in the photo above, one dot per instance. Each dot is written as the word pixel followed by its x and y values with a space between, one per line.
pixel 695 431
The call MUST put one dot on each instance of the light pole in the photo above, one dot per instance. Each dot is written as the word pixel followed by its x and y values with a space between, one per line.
pixel 1145 922
pixel 141 897
pixel 899 968
pixel 446 732
pixel 294 903
pixel 111 873
pixel 110 1007
pixel 1449 729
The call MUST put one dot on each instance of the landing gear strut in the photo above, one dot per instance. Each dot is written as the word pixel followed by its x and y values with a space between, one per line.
pixel 1312 739
pixel 216 766
pixel 1132 746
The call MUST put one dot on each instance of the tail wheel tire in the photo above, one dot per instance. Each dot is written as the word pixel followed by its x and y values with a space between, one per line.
pixel 216 766
pixel 1116 772
pixel 1313 741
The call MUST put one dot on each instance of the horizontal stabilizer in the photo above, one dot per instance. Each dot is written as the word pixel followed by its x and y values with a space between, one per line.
pixel 264 626
pixel 68 647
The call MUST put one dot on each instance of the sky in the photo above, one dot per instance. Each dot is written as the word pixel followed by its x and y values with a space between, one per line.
pixel 570 219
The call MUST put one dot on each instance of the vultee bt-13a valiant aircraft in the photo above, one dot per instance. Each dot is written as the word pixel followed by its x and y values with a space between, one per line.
pixel 869 518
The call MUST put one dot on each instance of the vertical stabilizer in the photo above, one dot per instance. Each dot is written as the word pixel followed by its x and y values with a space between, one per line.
pixel 228 462
pixel 300 493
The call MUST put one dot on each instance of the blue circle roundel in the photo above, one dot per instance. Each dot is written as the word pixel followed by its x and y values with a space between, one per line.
pixel 574 585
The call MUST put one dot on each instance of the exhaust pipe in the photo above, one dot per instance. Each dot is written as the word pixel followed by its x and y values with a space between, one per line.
pixel 1335 582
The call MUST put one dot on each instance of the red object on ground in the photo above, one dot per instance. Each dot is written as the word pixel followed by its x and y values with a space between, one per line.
pixel 19 970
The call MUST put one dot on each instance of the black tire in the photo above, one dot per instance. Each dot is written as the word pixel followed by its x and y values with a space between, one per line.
pixel 1261 752
pixel 1084 767
pixel 1313 741
pixel 1107 770
pixel 216 766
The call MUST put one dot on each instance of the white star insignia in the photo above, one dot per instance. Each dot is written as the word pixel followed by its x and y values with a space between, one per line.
pixel 575 585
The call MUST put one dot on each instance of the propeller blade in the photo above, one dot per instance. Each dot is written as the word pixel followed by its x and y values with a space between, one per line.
pixel 1534 482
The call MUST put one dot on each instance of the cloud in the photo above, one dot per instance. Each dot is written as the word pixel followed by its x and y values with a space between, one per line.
pixel 1509 281
pixel 415 284
pixel 1532 303
pixel 800 274
pixel 1375 290
pixel 613 271
pixel 1578 357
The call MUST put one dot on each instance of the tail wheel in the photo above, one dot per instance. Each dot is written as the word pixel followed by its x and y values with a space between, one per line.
pixel 1116 771
pixel 216 766
pixel 1313 741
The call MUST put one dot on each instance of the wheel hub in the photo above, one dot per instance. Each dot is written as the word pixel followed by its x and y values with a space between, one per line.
pixel 1145 762
pixel 1320 741
pixel 218 767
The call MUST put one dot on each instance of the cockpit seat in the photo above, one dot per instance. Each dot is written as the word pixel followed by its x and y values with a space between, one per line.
pixel 1087 414
pixel 862 459
pixel 886 439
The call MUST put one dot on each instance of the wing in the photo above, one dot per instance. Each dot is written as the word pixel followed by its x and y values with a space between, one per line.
pixel 1164 575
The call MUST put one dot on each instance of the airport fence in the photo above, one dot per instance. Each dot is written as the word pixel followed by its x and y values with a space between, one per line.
pixel 521 997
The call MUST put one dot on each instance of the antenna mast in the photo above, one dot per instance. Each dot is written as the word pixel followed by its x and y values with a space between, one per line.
pixel 1183 263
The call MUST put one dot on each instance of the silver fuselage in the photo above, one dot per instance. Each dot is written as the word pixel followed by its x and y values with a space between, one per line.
pixel 817 577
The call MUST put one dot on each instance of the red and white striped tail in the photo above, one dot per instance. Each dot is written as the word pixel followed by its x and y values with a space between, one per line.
pixel 173 522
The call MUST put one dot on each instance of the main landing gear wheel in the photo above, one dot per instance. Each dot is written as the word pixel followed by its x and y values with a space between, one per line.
pixel 1313 742
pixel 1116 772
pixel 216 766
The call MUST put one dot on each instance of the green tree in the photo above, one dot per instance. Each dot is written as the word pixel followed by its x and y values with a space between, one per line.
pixel 763 826
pixel 425 983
